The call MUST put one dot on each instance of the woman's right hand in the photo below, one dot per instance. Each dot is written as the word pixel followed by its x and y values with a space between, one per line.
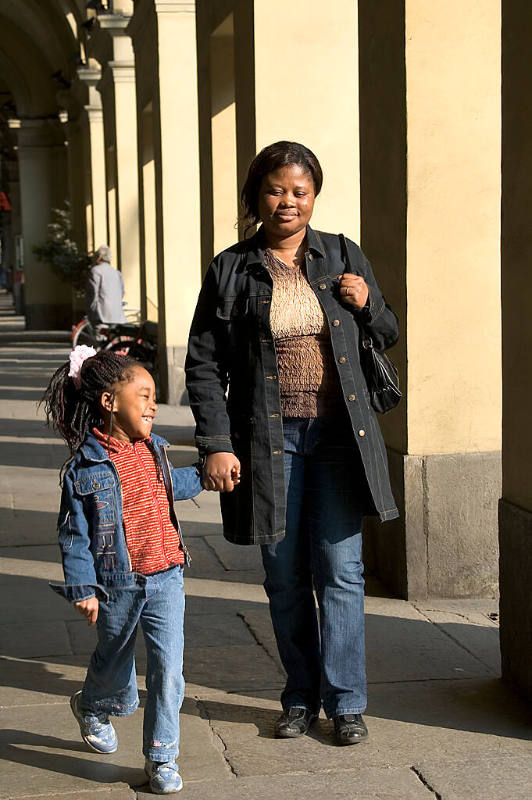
pixel 221 472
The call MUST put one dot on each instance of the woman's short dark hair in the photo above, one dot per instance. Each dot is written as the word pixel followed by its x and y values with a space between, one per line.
pixel 271 158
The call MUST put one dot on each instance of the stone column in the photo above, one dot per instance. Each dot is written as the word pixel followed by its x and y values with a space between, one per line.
pixel 515 510
pixel 169 82
pixel 43 186
pixel 430 178
pixel 96 202
pixel 118 93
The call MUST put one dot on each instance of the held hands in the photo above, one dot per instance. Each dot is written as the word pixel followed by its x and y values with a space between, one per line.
pixel 221 472
pixel 353 290
pixel 89 609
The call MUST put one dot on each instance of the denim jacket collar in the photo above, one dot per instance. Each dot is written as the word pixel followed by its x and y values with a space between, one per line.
pixel 93 450
pixel 257 245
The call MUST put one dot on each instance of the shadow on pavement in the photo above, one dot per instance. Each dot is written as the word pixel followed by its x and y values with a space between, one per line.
pixel 21 747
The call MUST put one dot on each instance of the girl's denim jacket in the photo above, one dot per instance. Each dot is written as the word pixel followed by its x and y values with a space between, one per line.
pixel 90 526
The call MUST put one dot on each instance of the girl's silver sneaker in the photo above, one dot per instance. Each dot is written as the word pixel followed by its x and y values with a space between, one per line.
pixel 163 776
pixel 96 730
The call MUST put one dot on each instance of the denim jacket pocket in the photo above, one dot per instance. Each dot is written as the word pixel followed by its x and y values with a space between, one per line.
pixel 97 495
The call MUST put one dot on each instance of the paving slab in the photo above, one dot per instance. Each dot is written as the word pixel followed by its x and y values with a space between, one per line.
pixel 216 630
pixel 209 588
pixel 472 630
pixel 432 718
pixel 431 654
pixel 48 757
pixel 34 639
pixel 494 778
pixel 40 681
pixel 29 600
pixel 37 561
pixel 360 784
pixel 236 557
pixel 236 668
pixel 43 754
pixel 27 527
pixel 24 453
pixel 120 793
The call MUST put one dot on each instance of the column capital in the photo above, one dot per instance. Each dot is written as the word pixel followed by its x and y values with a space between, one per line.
pixel 114 24
pixel 174 7
pixel 122 72
pixel 89 75
pixel 94 113
pixel 37 132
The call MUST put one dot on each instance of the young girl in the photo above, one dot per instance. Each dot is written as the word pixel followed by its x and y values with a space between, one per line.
pixel 122 550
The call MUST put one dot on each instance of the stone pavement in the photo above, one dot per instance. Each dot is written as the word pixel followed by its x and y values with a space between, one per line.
pixel 441 723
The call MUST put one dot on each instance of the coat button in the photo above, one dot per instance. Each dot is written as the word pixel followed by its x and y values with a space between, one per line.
pixel 310 256
pixel 95 485
pixel 352 397
pixel 323 286
pixel 274 416
pixel 271 377
pixel 362 433
pixel 342 360
pixel 336 322
pixel 277 452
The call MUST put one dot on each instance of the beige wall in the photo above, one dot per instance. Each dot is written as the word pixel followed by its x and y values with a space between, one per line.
pixel 223 136
pixel 306 90
pixel 453 228
pixel 286 87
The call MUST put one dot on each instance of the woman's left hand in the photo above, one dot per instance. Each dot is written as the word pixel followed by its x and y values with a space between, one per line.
pixel 353 290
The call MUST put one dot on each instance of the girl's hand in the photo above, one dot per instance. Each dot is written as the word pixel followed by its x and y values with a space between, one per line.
pixel 221 472
pixel 89 609
pixel 353 290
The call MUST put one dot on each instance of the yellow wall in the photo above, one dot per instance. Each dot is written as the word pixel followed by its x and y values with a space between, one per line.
pixel 306 90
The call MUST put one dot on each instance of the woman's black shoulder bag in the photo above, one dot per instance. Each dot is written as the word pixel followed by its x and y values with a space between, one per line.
pixel 379 371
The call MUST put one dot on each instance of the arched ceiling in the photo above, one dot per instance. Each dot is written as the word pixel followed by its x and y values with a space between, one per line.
pixel 39 39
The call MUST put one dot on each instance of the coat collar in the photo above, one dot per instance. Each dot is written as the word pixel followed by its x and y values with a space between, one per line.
pixel 257 245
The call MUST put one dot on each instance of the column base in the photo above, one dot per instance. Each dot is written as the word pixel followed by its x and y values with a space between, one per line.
pixel 444 544
pixel 172 375
pixel 48 316
pixel 515 571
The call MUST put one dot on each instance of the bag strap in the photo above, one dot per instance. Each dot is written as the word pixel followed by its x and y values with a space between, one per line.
pixel 345 255
pixel 366 340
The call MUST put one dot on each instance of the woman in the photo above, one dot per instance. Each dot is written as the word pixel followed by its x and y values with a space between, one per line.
pixel 284 420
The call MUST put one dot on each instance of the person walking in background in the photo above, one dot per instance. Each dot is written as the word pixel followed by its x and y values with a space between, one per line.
pixel 122 550
pixel 104 291
pixel 283 417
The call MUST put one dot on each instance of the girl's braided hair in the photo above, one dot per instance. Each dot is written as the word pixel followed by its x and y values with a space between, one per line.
pixel 73 412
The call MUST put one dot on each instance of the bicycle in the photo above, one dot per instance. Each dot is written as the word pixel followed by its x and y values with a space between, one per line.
pixel 136 340
pixel 93 335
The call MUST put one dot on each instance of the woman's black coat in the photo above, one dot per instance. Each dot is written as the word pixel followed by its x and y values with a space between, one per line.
pixel 232 381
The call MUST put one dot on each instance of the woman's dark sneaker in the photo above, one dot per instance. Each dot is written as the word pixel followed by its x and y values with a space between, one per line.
pixel 293 722
pixel 350 729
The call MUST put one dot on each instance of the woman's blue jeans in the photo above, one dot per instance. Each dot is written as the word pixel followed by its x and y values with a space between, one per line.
pixel 322 550
pixel 157 602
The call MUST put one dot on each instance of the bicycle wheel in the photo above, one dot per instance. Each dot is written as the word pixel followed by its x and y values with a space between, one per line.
pixel 84 333
pixel 120 345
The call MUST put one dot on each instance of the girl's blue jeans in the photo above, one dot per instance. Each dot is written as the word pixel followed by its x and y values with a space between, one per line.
pixel 322 550
pixel 157 602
